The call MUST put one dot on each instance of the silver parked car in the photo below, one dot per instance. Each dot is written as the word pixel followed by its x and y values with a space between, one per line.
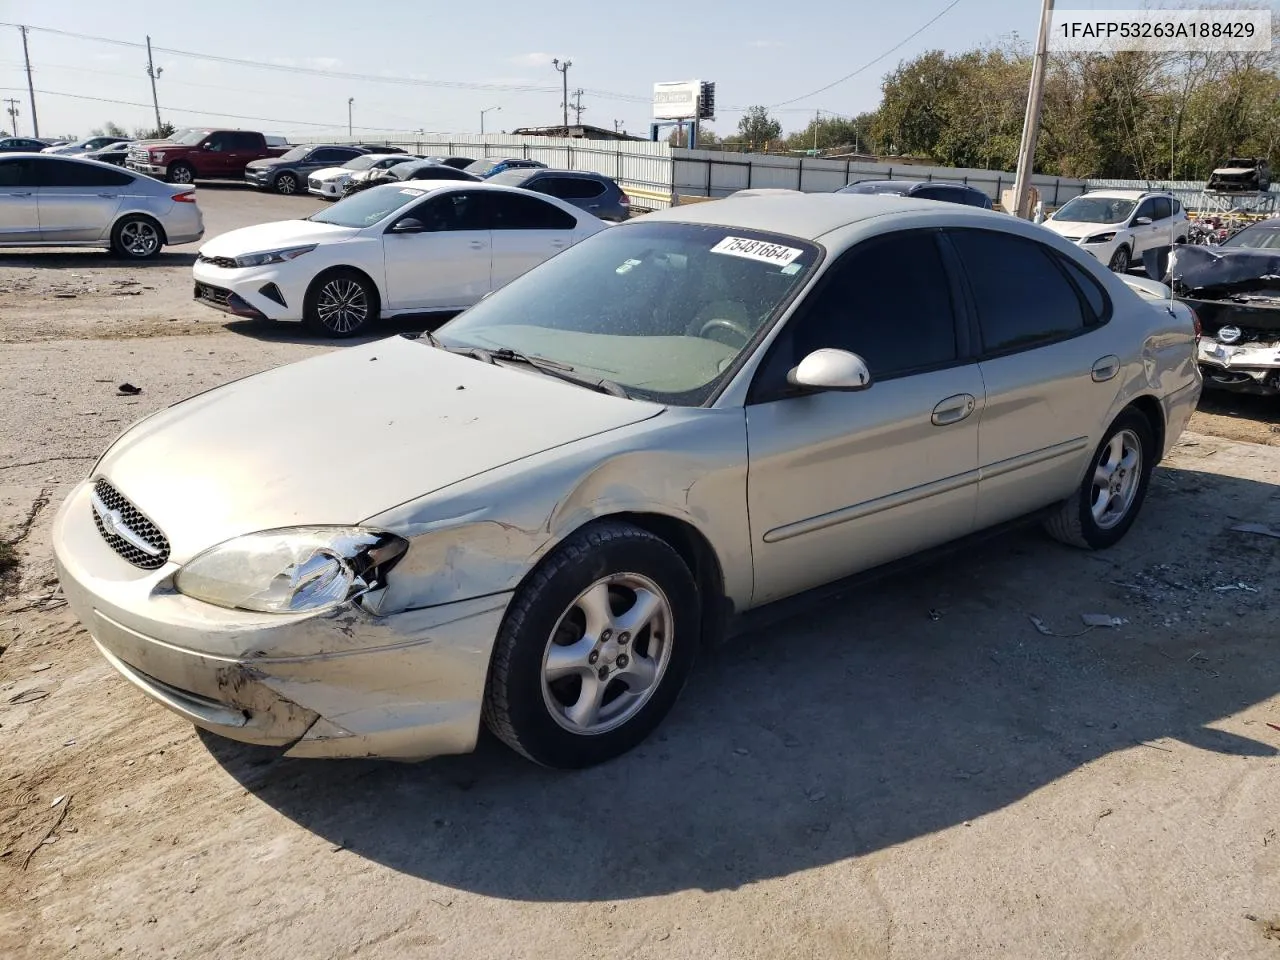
pixel 55 201
pixel 539 515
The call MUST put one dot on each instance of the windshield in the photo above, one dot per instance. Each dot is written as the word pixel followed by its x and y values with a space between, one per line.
pixel 190 138
pixel 1255 238
pixel 297 153
pixel 511 178
pixel 1095 210
pixel 662 309
pixel 897 188
pixel 481 166
pixel 367 207
pixel 363 162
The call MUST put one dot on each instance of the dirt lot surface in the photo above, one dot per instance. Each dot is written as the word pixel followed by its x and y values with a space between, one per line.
pixel 912 771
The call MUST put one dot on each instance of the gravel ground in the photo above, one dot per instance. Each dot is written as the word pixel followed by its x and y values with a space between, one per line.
pixel 914 770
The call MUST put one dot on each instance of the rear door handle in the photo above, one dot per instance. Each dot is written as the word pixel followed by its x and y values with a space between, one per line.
pixel 109 196
pixel 477 244
pixel 1105 368
pixel 953 409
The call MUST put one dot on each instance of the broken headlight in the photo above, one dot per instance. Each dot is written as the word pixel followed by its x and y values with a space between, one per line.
pixel 1100 237
pixel 297 570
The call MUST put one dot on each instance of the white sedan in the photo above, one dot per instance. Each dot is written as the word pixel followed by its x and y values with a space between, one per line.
pixel 388 250
pixel 331 182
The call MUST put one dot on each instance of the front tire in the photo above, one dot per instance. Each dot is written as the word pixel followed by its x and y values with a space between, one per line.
pixel 286 184
pixel 181 173
pixel 595 648
pixel 1105 506
pixel 1120 260
pixel 340 303
pixel 136 238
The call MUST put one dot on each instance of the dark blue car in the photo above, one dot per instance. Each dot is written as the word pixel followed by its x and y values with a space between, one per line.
pixel 924 190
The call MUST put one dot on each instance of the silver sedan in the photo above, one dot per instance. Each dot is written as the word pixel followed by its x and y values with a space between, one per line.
pixel 54 201
pixel 540 515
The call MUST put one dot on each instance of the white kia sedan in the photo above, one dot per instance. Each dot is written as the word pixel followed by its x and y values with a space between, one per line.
pixel 388 250
pixel 330 183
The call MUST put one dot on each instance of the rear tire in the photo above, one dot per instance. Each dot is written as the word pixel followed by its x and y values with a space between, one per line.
pixel 340 303
pixel 1107 502
pixel 595 648
pixel 136 238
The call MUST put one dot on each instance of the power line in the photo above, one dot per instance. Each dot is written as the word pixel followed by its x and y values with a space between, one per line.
pixel 213 113
pixel 871 63
pixel 337 74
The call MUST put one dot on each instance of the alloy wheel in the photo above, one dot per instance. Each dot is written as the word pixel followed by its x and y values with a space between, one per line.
pixel 181 174
pixel 607 654
pixel 1115 479
pixel 342 305
pixel 286 184
pixel 139 238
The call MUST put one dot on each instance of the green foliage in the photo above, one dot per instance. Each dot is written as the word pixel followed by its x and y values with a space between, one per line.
pixel 109 129
pixel 758 128
pixel 163 132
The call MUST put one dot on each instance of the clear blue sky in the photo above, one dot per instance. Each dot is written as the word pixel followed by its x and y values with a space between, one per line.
pixel 756 51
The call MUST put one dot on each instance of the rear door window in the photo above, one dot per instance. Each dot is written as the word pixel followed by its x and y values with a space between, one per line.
pixel 1022 296
pixel 513 211
pixel 68 173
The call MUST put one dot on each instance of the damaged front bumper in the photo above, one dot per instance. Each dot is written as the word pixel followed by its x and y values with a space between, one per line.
pixel 344 683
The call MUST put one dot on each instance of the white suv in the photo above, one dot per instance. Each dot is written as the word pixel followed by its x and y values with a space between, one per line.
pixel 1119 226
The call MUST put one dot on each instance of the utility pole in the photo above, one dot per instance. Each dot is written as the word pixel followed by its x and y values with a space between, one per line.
pixel 577 106
pixel 482 113
pixel 350 101
pixel 31 90
pixel 13 113
pixel 154 74
pixel 617 126
pixel 563 70
pixel 817 117
pixel 1031 122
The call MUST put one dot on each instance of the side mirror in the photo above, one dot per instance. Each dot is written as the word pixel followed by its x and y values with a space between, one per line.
pixel 409 225
pixel 830 369
pixel 1142 222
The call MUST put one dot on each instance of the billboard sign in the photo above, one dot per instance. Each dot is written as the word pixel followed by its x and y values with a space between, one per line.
pixel 676 101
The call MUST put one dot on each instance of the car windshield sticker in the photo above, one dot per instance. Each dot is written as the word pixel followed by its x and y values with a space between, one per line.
pixel 791 268
pixel 627 266
pixel 757 250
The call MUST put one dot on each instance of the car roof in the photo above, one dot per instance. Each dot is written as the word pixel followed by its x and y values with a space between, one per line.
pixel 807 216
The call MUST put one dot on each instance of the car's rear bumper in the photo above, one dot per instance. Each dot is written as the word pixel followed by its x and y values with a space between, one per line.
pixel 342 684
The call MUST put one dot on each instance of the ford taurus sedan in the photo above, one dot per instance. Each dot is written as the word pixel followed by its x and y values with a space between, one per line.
pixel 537 517
pixel 392 249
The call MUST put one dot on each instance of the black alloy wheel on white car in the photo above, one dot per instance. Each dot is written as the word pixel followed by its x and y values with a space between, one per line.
pixel 594 649
pixel 340 303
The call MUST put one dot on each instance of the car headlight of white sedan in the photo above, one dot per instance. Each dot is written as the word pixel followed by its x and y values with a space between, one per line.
pixel 297 570
pixel 273 256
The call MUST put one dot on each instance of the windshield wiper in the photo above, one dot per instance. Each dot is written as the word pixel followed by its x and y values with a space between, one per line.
pixel 554 368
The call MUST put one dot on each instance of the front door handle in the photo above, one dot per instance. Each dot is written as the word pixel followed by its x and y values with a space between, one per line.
pixel 27 194
pixel 953 409
pixel 1105 368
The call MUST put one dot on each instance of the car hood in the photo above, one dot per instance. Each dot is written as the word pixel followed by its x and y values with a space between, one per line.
pixel 342 437
pixel 274 236
pixel 1074 229
pixel 266 163
pixel 331 173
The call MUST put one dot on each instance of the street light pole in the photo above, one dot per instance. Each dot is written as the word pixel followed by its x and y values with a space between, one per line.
pixel 1031 122
pixel 350 101
pixel 563 70
pixel 482 113
pixel 154 73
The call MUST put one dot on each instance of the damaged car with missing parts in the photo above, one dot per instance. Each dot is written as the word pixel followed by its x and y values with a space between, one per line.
pixel 535 517
pixel 1234 289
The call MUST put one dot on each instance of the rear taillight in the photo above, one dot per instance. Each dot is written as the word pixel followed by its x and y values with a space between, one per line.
pixel 624 200
pixel 187 197
pixel 1195 322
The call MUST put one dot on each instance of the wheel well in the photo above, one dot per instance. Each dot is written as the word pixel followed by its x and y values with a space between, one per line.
pixel 698 554
pixel 377 294
pixel 1150 408
pixel 164 237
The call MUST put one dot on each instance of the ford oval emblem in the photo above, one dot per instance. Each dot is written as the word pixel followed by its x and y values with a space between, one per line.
pixel 1229 334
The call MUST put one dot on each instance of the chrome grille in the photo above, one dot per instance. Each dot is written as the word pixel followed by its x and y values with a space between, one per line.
pixel 227 263
pixel 136 527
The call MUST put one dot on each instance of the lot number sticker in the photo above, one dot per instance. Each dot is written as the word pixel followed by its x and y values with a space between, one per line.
pixel 757 250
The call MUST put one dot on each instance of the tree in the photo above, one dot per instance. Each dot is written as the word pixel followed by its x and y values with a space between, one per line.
pixel 757 128
pixel 707 139
pixel 835 134
pixel 108 129
pixel 163 132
